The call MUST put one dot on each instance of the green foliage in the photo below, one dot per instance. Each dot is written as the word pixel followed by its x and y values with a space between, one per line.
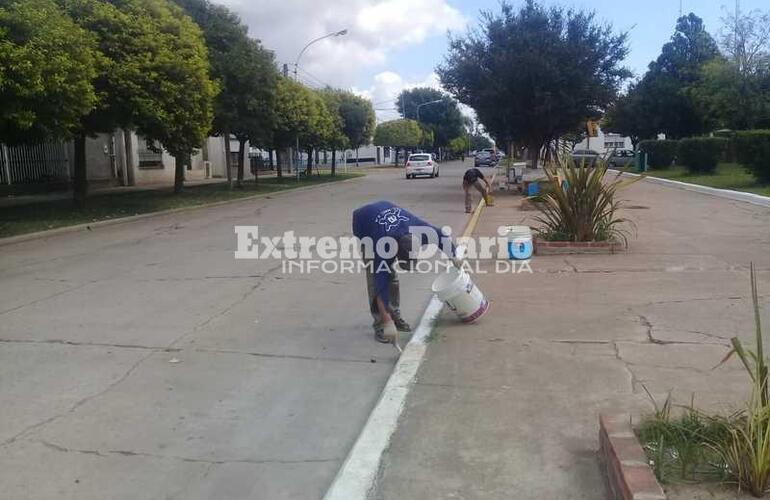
pixel 631 115
pixel 47 65
pixel 534 73
pixel 442 119
pixel 682 448
pixel 398 133
pixel 244 70
pixel 459 145
pixel 701 154
pixel 732 99
pixel 662 99
pixel 580 206
pixel 155 77
pixel 294 107
pixel 479 142
pixel 753 149
pixel 660 153
pixel 355 116
pixel 747 450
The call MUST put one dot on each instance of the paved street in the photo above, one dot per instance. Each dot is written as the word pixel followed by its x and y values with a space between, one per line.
pixel 142 361
pixel 508 407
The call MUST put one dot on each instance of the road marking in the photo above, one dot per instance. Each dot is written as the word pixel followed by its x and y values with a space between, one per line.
pixel 357 478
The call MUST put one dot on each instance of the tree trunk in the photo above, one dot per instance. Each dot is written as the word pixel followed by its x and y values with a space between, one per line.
pixel 534 154
pixel 241 161
pixel 309 169
pixel 356 157
pixel 270 159
pixel 395 157
pixel 334 162
pixel 317 171
pixel 179 165
pixel 279 164
pixel 80 180
pixel 228 161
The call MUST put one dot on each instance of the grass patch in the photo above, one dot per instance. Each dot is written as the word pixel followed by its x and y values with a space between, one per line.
pixel 727 176
pixel 60 213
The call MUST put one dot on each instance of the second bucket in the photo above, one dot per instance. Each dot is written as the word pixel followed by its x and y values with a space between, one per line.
pixel 456 289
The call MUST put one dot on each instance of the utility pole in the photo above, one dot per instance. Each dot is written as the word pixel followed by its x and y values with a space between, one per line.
pixel 285 70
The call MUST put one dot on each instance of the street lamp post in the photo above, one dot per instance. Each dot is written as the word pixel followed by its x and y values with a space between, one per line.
pixel 425 104
pixel 296 79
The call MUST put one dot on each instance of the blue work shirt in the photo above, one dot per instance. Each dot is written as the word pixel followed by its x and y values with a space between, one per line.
pixel 383 218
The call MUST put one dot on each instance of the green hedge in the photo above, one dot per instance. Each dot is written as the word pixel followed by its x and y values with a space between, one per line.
pixel 701 154
pixel 753 150
pixel 660 154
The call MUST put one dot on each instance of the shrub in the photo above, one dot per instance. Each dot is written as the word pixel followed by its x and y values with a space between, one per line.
pixel 701 154
pixel 581 206
pixel 753 149
pixel 660 154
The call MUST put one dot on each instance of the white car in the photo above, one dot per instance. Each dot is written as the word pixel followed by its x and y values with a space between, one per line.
pixel 421 164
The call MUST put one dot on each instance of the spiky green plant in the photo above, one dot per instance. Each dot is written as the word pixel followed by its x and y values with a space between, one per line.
pixel 747 450
pixel 580 205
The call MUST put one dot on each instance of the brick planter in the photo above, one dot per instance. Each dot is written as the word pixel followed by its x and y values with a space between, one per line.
pixel 543 247
pixel 626 471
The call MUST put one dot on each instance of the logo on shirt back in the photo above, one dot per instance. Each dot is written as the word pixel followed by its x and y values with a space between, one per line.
pixel 390 218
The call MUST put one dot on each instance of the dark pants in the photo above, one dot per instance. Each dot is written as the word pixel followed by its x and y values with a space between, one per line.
pixel 394 297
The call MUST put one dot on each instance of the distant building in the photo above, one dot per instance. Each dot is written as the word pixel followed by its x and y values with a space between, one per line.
pixel 605 142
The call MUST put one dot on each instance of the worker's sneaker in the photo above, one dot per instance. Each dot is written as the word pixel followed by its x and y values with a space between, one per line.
pixel 401 325
pixel 381 336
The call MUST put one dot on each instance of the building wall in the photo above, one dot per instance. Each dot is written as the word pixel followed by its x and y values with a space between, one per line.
pixel 100 159
pixel 605 142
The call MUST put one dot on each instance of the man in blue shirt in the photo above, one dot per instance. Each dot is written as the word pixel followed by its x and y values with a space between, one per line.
pixel 386 241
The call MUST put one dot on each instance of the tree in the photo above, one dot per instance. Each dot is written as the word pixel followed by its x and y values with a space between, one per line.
pixel 358 120
pixel 293 107
pixel 246 75
pixel 337 139
pixel 479 142
pixel 47 65
pixel 632 115
pixel 443 118
pixel 535 73
pixel 735 90
pixel 459 146
pixel 665 88
pixel 154 78
pixel 323 127
pixel 398 134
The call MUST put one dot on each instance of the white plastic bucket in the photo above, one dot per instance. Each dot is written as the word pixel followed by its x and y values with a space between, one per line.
pixel 461 295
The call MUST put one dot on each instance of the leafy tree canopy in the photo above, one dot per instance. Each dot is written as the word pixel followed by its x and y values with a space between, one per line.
pixel 443 118
pixel 47 65
pixel 398 133
pixel 534 73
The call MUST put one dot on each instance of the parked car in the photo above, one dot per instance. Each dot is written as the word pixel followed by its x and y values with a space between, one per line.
pixel 621 158
pixel 421 164
pixel 585 156
pixel 484 159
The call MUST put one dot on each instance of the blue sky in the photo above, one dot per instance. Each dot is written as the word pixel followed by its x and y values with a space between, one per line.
pixel 395 44
pixel 650 24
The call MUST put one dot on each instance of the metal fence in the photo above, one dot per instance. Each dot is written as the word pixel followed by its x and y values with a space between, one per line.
pixel 34 164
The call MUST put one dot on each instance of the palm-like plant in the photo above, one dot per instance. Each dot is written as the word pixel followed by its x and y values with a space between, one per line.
pixel 581 205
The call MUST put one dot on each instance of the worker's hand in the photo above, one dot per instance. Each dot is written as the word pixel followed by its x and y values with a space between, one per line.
pixel 390 333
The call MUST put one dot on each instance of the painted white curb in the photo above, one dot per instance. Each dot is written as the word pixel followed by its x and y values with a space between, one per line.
pixel 754 199
pixel 357 478
pixel 358 475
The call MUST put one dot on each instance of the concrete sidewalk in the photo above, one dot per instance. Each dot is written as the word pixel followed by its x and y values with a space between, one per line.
pixel 508 408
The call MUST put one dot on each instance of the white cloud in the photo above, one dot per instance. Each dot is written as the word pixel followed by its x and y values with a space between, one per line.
pixel 388 84
pixel 375 28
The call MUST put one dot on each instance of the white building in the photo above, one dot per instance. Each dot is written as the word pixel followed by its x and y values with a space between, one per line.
pixel 605 142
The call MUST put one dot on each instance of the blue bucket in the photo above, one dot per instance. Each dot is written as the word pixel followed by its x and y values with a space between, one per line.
pixel 520 248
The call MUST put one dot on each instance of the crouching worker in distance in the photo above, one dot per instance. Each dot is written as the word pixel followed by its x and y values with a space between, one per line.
pixel 388 234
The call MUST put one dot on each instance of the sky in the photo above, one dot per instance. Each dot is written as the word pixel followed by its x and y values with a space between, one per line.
pixel 395 44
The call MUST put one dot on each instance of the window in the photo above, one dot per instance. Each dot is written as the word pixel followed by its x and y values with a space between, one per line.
pixel 419 157
pixel 150 154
